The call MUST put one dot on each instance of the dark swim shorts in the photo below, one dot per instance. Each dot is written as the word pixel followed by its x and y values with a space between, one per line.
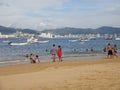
pixel 110 52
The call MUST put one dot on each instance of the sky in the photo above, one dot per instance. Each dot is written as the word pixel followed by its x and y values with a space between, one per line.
pixel 50 14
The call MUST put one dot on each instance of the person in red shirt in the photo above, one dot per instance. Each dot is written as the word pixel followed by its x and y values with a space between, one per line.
pixel 59 53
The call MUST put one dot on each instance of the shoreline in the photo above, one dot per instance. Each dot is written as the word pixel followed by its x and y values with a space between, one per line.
pixel 47 58
pixel 44 65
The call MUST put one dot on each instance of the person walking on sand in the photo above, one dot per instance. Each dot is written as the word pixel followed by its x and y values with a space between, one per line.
pixel 115 50
pixel 53 52
pixel 109 49
pixel 59 53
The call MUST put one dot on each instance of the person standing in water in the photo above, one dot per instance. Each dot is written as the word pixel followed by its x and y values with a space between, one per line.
pixel 53 52
pixel 31 57
pixel 115 50
pixel 109 49
pixel 59 53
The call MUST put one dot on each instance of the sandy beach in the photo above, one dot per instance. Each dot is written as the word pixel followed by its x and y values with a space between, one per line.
pixel 94 74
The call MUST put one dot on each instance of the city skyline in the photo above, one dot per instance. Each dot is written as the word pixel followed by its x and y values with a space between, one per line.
pixel 47 14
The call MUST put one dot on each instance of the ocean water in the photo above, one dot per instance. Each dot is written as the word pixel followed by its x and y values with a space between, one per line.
pixel 72 48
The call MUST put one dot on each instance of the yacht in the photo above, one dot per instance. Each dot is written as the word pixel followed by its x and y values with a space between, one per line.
pixel 32 40
pixel 29 41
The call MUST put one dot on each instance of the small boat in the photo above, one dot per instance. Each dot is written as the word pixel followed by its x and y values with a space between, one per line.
pixel 32 40
pixel 29 41
pixel 73 40
pixel 19 44
pixel 92 38
pixel 6 41
pixel 43 41
pixel 108 38
pixel 84 40
pixel 117 38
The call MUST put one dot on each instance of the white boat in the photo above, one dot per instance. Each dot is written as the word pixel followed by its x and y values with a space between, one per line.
pixel 43 41
pixel 117 38
pixel 6 41
pixel 84 40
pixel 92 38
pixel 19 44
pixel 32 40
pixel 29 41
pixel 73 40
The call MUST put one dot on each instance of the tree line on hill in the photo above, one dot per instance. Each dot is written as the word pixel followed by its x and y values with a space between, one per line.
pixel 64 31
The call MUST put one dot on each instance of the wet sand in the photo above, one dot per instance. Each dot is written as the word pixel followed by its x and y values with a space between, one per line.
pixel 92 74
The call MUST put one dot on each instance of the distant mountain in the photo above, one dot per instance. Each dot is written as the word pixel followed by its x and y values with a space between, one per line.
pixel 64 31
pixel 68 30
pixel 7 30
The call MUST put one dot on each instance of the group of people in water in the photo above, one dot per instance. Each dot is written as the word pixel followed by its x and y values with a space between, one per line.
pixel 111 50
pixel 33 58
pixel 55 51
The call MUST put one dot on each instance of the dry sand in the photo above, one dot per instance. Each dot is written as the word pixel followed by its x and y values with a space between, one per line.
pixel 97 74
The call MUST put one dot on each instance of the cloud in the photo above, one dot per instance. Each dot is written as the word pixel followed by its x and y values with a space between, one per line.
pixel 44 25
pixel 35 4
pixel 41 14
pixel 4 4
pixel 26 13
pixel 113 8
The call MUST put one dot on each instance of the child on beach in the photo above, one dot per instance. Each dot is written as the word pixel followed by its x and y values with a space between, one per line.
pixel 37 59
pixel 59 53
